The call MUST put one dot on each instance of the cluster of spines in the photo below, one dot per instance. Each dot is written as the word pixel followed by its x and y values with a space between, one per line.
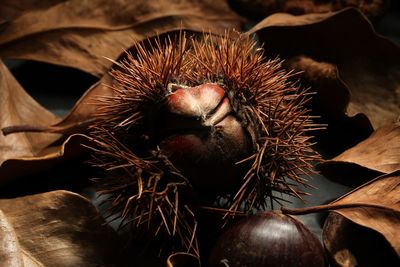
pixel 272 107
pixel 144 186
pixel 145 191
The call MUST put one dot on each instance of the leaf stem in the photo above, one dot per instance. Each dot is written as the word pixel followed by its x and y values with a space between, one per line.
pixel 22 128
pixel 326 207
pixel 60 128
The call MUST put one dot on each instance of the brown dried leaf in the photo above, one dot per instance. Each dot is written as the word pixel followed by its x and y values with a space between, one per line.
pixel 383 214
pixel 25 153
pixel 330 103
pixel 348 245
pixel 82 114
pixel 79 117
pixel 10 254
pixel 16 108
pixel 80 34
pixel 323 77
pixel 53 155
pixel 374 205
pixel 378 154
pixel 58 228
pixel 11 9
pixel 261 8
pixel 367 63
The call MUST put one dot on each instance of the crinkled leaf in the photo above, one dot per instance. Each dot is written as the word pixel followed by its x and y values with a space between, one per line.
pixel 50 156
pixel 374 205
pixel 23 153
pixel 348 244
pixel 11 9
pixel 378 154
pixel 330 103
pixel 10 252
pixel 368 64
pixel 82 114
pixel 323 76
pixel 58 228
pixel 16 108
pixel 80 34
pixel 379 207
pixel 258 9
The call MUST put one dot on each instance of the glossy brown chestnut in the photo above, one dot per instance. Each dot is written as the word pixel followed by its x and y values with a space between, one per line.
pixel 199 131
pixel 267 240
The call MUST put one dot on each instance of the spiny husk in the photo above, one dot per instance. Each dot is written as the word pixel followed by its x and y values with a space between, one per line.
pixel 143 185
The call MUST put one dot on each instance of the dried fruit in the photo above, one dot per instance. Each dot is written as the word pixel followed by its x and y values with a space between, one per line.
pixel 189 117
pixel 267 239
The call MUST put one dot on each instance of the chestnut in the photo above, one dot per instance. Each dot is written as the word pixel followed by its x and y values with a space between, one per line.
pixel 197 128
pixel 267 239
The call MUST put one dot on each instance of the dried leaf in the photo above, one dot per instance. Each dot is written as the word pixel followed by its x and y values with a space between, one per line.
pixel 262 8
pixel 80 34
pixel 367 63
pixel 383 193
pixel 379 154
pixel 26 153
pixel 322 77
pixel 16 108
pixel 10 254
pixel 330 103
pixel 82 114
pixel 348 245
pixel 54 155
pixel 375 205
pixel 58 228
pixel 11 9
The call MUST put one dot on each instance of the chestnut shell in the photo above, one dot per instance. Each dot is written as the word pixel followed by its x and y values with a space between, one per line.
pixel 268 239
pixel 197 128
